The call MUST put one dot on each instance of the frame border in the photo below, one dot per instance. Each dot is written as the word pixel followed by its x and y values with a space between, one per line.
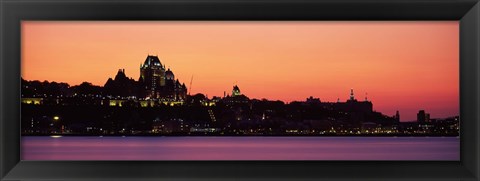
pixel 12 12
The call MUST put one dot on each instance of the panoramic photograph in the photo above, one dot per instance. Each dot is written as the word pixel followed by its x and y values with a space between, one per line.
pixel 240 90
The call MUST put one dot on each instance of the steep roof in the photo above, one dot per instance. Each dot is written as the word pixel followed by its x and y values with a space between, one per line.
pixel 152 61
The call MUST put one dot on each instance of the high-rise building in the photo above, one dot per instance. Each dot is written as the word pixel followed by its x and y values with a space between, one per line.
pixel 421 116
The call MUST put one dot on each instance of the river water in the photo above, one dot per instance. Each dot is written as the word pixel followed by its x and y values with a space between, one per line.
pixel 239 148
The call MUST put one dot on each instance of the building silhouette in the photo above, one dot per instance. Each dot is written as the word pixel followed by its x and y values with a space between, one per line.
pixel 159 83
pixel 121 85
pixel 353 104
pixel 236 91
pixel 397 116
pixel 421 116
pixel 236 98
pixel 57 108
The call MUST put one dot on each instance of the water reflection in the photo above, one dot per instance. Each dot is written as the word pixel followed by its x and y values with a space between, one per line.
pixel 240 148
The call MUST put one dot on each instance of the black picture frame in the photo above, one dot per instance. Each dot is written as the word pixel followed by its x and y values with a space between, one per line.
pixel 12 12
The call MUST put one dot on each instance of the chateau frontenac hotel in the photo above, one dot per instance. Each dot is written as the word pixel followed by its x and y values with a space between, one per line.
pixel 159 83
pixel 155 82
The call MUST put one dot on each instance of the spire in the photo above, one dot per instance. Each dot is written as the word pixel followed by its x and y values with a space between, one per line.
pixel 352 96
pixel 366 96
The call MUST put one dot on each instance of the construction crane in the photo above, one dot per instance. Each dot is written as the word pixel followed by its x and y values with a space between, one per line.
pixel 190 87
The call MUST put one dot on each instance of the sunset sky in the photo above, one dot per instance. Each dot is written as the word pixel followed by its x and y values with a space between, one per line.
pixel 405 66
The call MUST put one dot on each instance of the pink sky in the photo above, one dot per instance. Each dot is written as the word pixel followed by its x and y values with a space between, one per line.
pixel 402 65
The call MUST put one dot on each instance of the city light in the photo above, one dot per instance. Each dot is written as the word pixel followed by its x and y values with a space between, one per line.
pixel 128 103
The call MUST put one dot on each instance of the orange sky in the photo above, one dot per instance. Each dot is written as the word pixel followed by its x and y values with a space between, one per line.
pixel 403 66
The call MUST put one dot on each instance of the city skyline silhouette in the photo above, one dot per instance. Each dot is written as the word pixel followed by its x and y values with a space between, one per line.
pixel 405 66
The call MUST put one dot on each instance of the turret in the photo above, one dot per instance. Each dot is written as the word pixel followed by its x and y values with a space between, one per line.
pixel 169 75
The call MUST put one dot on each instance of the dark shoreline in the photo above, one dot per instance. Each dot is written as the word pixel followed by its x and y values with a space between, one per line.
pixel 258 135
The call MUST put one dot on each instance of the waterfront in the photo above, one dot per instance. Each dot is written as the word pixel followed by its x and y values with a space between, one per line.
pixel 239 148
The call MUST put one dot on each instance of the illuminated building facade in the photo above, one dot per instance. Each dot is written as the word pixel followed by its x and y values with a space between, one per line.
pixel 236 91
pixel 236 98
pixel 158 82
